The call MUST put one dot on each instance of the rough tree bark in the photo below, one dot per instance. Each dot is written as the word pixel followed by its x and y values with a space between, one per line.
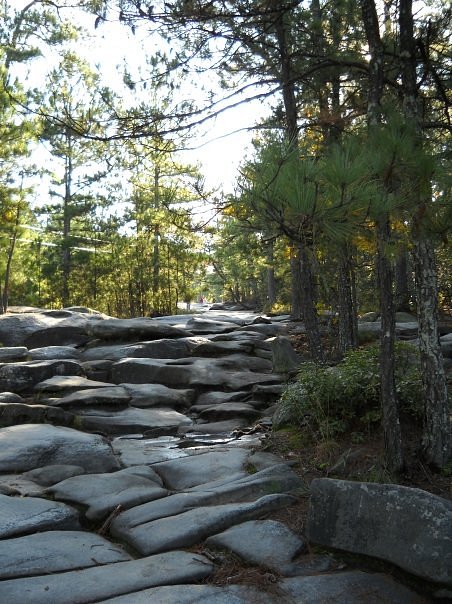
pixel 304 270
pixel 388 397
pixel 436 445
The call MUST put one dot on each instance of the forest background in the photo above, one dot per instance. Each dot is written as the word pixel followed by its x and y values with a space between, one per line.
pixel 340 206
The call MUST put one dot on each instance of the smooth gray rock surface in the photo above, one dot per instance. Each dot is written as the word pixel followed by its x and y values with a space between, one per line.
pixel 111 395
pixel 233 372
pixel 13 353
pixel 201 325
pixel 284 357
pixel 51 474
pixel 10 397
pixel 407 527
pixel 20 485
pixel 341 588
pixel 12 414
pixel 216 397
pixel 44 328
pixel 352 587
pixel 262 542
pixel 61 383
pixel 194 526
pixel 158 395
pixel 102 493
pixel 203 594
pixel 197 469
pixel 225 411
pixel 235 488
pixel 54 352
pixel 31 446
pixel 131 420
pixel 101 582
pixel 23 515
pixel 165 348
pixel 137 451
pixel 138 328
pixel 56 551
pixel 18 377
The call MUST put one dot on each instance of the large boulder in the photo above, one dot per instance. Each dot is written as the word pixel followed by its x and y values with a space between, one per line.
pixel 407 527
pixel 46 328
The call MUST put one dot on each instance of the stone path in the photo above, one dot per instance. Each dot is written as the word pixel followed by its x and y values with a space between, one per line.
pixel 121 478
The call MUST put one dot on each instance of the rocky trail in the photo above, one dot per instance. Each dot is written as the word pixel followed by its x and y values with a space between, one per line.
pixel 132 471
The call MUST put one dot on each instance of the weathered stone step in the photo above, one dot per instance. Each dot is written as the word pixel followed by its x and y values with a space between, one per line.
pixel 98 583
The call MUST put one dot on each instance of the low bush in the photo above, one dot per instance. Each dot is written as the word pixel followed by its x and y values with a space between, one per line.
pixel 328 401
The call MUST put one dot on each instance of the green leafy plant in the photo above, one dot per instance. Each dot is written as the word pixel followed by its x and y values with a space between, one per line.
pixel 326 401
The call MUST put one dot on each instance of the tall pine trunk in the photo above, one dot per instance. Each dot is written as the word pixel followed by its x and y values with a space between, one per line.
pixel 391 423
pixel 348 317
pixel 305 293
pixel 437 435
pixel 388 396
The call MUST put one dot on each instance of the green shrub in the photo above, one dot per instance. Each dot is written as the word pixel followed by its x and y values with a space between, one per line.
pixel 327 400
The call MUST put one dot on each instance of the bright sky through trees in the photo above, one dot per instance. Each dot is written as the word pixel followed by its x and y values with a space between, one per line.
pixel 219 146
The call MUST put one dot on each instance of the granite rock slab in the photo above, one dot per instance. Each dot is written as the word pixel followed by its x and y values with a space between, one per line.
pixel 43 328
pixel 56 551
pixel 111 395
pixel 137 451
pixel 101 582
pixel 12 414
pixel 264 543
pixel 405 526
pixel 138 328
pixel 204 594
pixel 224 411
pixel 13 353
pixel 22 376
pixel 204 467
pixel 69 383
pixel 31 446
pixel 164 348
pixel 235 488
pixel 102 493
pixel 24 515
pixel 158 395
pixel 132 420
pixel 351 587
pixel 11 397
pixel 51 474
pixel 54 352
pixel 194 526
pixel 346 588
pixel 232 373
